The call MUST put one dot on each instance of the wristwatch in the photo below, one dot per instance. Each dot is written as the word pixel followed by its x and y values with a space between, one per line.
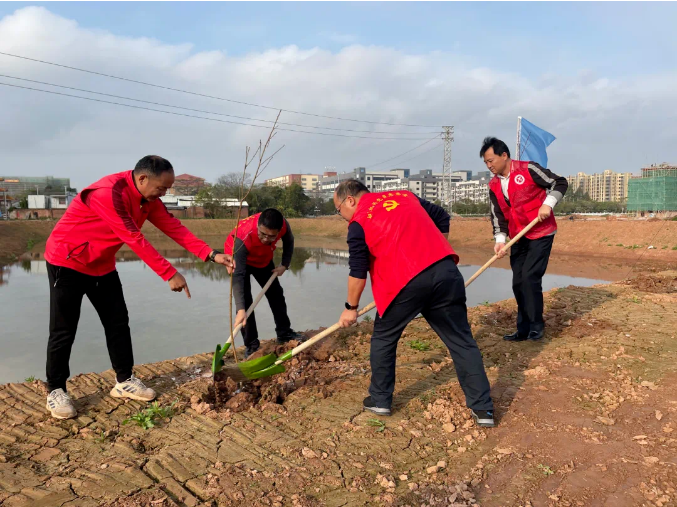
pixel 351 307
pixel 213 255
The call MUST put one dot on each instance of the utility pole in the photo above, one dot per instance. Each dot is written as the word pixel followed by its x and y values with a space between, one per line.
pixel 447 197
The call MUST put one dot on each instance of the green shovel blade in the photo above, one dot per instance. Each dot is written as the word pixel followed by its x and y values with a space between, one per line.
pixel 217 361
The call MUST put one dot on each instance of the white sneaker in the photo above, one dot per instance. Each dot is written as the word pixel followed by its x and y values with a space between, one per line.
pixel 133 388
pixel 60 405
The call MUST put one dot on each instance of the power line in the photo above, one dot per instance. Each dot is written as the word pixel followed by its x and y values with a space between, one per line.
pixel 408 151
pixel 208 112
pixel 201 117
pixel 212 96
pixel 420 154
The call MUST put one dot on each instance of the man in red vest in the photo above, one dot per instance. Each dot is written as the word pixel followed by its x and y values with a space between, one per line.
pixel 80 255
pixel 252 244
pixel 401 240
pixel 519 192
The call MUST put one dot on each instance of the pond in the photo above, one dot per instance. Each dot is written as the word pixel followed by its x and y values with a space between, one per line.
pixel 166 325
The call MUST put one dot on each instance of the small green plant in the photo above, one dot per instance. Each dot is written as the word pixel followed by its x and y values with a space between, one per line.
pixel 379 425
pixel 142 419
pixel 30 379
pixel 102 437
pixel 419 345
pixel 546 469
pixel 619 244
pixel 30 244
pixel 665 247
pixel 486 303
pixel 674 247
pixel 609 244
pixel 147 418
pixel 367 319
pixel 157 411
pixel 635 299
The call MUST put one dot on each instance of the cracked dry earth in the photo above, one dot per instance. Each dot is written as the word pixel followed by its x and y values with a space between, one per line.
pixel 586 418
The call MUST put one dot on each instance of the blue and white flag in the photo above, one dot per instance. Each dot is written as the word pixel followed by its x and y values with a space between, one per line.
pixel 532 143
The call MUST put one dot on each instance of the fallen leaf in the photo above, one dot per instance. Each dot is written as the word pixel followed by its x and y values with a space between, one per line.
pixel 605 420
pixel 308 453
pixel 659 415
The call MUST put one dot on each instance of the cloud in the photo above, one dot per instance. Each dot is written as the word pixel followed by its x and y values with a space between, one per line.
pixel 340 38
pixel 600 122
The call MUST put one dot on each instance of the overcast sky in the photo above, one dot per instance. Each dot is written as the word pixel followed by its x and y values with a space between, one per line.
pixel 601 77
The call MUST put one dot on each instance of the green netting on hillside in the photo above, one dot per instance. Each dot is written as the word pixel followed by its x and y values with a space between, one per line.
pixel 652 194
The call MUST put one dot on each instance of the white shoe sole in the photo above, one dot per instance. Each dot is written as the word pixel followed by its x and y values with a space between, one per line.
pixel 115 394
pixel 56 416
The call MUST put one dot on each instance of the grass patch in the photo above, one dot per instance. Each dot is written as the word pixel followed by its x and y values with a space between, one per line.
pixel 366 319
pixel 378 424
pixel 30 244
pixel 619 244
pixel 419 345
pixel 545 469
pixel 147 418
pixel 30 379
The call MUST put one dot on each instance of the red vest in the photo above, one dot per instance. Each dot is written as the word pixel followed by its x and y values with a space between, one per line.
pixel 526 198
pixel 402 241
pixel 259 255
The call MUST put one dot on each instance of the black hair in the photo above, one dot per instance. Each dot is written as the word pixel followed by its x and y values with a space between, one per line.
pixel 271 219
pixel 152 165
pixel 350 187
pixel 497 145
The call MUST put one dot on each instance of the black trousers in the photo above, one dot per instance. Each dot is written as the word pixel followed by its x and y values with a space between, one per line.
pixel 438 293
pixel 278 305
pixel 529 260
pixel 66 289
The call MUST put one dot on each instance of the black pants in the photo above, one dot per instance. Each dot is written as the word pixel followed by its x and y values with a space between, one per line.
pixel 278 305
pixel 529 260
pixel 66 289
pixel 438 293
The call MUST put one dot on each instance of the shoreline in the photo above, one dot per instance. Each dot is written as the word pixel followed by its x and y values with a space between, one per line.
pixel 569 405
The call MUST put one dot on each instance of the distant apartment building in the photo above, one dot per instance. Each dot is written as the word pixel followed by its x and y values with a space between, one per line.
pixel 464 175
pixel 655 190
pixel 306 181
pixel 475 190
pixel 16 186
pixel 608 186
pixel 371 179
pixel 187 184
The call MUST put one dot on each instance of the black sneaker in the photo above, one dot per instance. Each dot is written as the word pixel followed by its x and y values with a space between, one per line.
pixel 251 349
pixel 371 406
pixel 536 335
pixel 515 337
pixel 484 418
pixel 291 335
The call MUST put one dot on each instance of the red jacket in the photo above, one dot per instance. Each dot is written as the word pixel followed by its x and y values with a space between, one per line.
pixel 259 255
pixel 108 214
pixel 526 198
pixel 402 241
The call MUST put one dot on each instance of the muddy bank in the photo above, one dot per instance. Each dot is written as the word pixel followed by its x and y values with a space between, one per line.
pixel 588 416
pixel 624 240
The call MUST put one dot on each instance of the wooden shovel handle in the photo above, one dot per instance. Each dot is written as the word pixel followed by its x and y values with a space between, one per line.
pixel 508 245
pixel 323 334
pixel 238 328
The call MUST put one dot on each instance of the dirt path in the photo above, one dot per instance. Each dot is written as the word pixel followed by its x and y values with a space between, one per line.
pixel 586 418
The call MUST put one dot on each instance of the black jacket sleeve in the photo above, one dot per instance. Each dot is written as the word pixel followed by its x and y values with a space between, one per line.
pixel 555 185
pixel 287 246
pixel 498 220
pixel 358 251
pixel 239 273
pixel 438 215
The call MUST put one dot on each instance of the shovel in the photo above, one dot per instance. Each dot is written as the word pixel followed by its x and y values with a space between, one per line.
pixel 217 361
pixel 269 365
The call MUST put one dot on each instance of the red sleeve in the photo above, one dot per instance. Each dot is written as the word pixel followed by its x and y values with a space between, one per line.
pixel 172 227
pixel 112 206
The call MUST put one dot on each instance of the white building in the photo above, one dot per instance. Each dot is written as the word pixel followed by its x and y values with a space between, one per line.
pixel 475 191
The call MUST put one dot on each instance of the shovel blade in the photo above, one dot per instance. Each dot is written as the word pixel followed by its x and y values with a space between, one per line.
pixel 217 360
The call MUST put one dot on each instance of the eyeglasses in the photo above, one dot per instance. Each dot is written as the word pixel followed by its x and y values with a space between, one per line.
pixel 262 234
pixel 338 210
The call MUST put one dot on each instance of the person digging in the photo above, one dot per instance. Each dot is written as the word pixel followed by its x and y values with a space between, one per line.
pixel 252 244
pixel 520 192
pixel 401 241
pixel 80 255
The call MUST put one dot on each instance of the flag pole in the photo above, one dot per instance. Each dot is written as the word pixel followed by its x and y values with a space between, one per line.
pixel 519 133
